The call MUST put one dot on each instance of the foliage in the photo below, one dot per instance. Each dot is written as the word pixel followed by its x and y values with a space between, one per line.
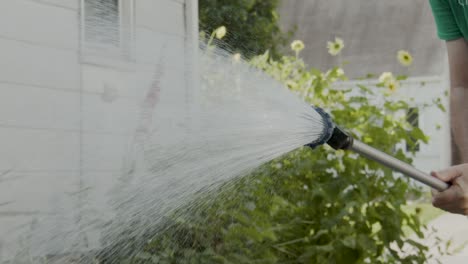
pixel 252 24
pixel 310 206
pixel 426 211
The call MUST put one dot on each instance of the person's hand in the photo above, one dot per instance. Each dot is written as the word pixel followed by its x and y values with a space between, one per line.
pixel 455 198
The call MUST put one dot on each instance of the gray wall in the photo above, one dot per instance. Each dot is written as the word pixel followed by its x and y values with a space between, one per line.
pixel 373 32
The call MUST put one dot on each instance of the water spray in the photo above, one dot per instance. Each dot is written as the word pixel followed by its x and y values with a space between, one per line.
pixel 336 138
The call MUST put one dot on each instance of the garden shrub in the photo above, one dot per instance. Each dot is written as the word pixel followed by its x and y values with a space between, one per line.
pixel 253 25
pixel 309 206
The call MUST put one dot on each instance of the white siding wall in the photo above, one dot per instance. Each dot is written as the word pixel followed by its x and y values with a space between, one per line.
pixel 58 136
pixel 39 106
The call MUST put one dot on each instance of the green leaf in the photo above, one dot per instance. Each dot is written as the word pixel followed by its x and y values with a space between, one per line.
pixel 401 77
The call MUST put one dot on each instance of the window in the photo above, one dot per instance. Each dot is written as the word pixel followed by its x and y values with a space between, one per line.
pixel 412 117
pixel 106 27
pixel 102 22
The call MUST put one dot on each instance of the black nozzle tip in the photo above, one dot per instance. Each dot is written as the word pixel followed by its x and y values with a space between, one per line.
pixel 331 134
pixel 340 139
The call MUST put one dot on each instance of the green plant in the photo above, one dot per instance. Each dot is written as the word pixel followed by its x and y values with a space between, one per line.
pixel 309 206
pixel 252 24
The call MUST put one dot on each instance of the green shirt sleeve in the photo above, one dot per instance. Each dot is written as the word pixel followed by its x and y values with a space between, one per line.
pixel 447 27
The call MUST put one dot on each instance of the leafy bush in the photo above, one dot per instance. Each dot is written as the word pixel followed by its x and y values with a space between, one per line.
pixel 254 23
pixel 321 206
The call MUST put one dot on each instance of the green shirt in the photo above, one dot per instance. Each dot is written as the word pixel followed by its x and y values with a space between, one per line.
pixel 451 18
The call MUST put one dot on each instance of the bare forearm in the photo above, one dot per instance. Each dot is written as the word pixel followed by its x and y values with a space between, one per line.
pixel 459 120
pixel 458 62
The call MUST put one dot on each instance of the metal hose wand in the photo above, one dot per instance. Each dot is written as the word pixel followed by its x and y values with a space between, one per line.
pixel 338 139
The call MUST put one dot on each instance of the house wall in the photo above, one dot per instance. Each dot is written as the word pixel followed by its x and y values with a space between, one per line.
pixel 373 32
pixel 68 116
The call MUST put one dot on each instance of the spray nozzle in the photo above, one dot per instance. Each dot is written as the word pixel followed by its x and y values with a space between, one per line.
pixel 331 133
pixel 340 139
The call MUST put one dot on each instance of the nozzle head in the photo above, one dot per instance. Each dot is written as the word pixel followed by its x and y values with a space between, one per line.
pixel 331 134
pixel 340 139
pixel 328 127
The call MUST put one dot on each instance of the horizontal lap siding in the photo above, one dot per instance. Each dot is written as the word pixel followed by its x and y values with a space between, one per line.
pixel 39 83
pixel 25 106
pixel 40 24
pixel 61 136
pixel 40 152
pixel 36 65
pixel 70 4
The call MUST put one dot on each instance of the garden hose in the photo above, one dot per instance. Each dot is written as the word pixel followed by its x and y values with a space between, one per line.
pixel 339 139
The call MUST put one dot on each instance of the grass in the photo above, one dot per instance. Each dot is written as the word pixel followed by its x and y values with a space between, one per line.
pixel 425 211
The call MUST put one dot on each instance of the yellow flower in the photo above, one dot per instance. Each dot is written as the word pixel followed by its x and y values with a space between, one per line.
pixel 386 77
pixel 297 45
pixel 220 32
pixel 291 84
pixel 334 48
pixel 389 81
pixel 340 72
pixel 393 85
pixel 405 58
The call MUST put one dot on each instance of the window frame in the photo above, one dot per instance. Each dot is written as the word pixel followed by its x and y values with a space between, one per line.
pixel 97 53
pixel 413 117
